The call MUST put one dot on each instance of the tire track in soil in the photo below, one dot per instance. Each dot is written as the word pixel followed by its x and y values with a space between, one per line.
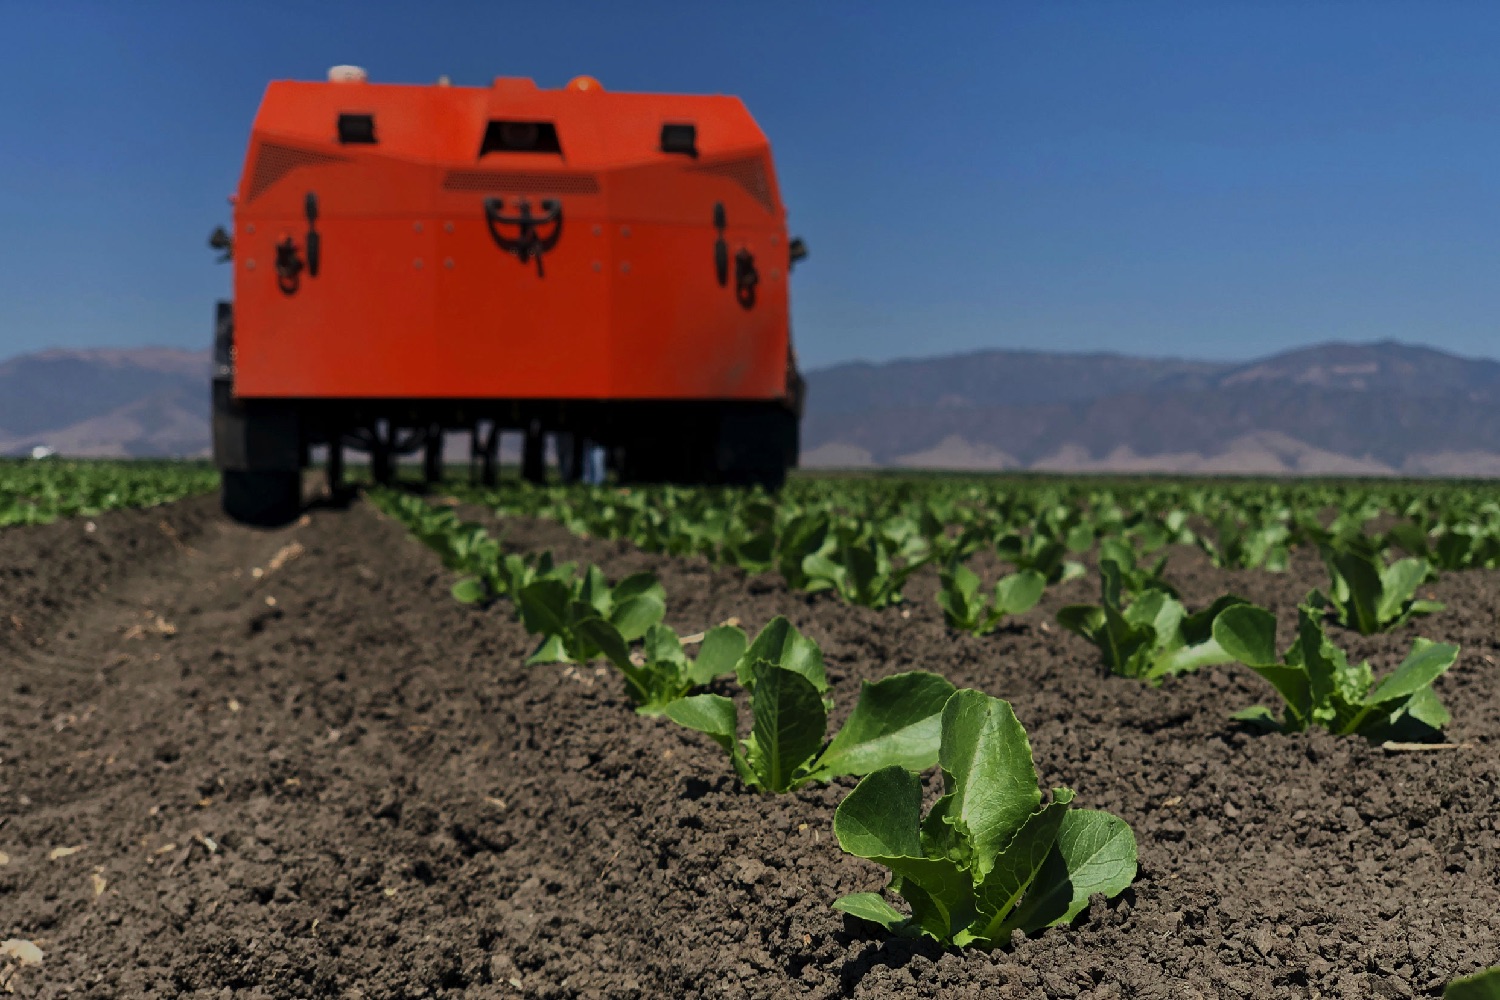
pixel 398 808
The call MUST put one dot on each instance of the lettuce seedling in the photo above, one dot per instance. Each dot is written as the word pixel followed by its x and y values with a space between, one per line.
pixel 497 576
pixel 964 607
pixel 860 564
pixel 990 857
pixel 1154 637
pixel 1252 545
pixel 1370 597
pixel 1037 551
pixel 554 609
pixel 894 722
pixel 663 673
pixel 1134 577
pixel 1319 686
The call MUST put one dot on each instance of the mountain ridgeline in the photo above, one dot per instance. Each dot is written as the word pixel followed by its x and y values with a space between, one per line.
pixel 1355 409
pixel 1359 409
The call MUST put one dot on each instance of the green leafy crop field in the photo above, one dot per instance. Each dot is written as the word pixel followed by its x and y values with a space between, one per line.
pixel 875 736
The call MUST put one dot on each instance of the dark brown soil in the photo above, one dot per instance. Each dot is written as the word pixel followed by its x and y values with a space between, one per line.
pixel 331 780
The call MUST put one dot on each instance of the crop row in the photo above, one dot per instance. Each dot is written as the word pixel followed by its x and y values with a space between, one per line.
pixel 39 491
pixel 994 854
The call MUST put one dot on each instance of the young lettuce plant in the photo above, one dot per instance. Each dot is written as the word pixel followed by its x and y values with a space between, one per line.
pixel 990 857
pixel 1154 637
pixel 663 672
pixel 1134 577
pixel 964 607
pixel 1319 686
pixel 555 609
pixel 496 575
pixel 1039 552
pixel 894 722
pixel 1370 597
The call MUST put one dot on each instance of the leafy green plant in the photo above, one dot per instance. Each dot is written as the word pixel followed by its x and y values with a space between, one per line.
pixel 1151 638
pixel 964 607
pixel 1319 687
pixel 1039 553
pixel 1370 597
pixel 1248 544
pixel 662 673
pixel 1134 577
pixel 895 720
pixel 990 857
pixel 555 609
pixel 861 565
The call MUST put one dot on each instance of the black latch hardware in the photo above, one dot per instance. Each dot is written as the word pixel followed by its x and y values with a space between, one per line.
pixel 528 243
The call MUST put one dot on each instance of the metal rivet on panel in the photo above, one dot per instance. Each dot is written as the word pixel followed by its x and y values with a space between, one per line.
pixel 250 228
pixel 775 274
pixel 250 264
pixel 417 226
pixel 417 263
pixel 448 262
pixel 598 230
pixel 598 267
pixel 624 230
pixel 447 227
pixel 625 267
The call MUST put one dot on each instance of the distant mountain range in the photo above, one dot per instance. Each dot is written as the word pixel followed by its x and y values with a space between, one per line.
pixel 146 402
pixel 1358 409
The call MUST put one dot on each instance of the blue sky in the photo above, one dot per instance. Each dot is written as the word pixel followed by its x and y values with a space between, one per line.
pixel 1215 180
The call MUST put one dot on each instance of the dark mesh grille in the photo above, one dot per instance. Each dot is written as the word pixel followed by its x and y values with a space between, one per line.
pixel 511 182
pixel 274 162
pixel 748 172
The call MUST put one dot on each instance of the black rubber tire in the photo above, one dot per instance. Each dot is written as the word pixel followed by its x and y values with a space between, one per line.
pixel 265 499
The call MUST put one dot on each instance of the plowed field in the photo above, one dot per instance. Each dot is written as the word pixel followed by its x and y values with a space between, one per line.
pixel 250 764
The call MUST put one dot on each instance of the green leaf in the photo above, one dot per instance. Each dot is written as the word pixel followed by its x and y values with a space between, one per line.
pixel 1258 716
pixel 1425 707
pixel 1480 986
pixel 1426 663
pixel 988 771
pixel 870 906
pixel 469 590
pixel 712 714
pixel 1188 658
pixel 780 643
pixel 1018 593
pixel 1095 853
pixel 1398 585
pixel 552 650
pixel 1248 634
pixel 1016 867
pixel 607 639
pixel 1198 628
pixel 1360 576
pixel 878 821
pixel 880 818
pixel 544 607
pixel 637 585
pixel 635 615
pixel 720 650
pixel 790 722
pixel 1086 620
pixel 897 720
